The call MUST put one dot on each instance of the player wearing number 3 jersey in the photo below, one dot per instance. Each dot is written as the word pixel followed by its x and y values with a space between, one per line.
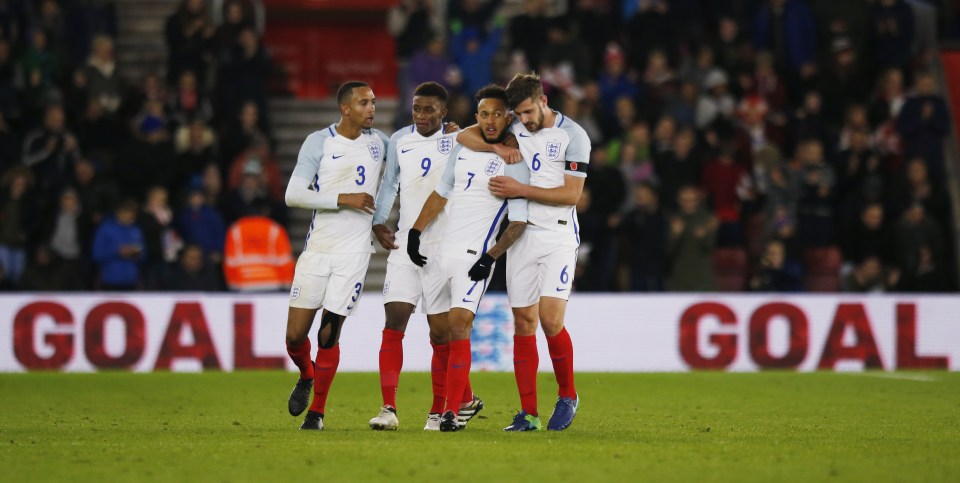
pixel 540 266
pixel 337 174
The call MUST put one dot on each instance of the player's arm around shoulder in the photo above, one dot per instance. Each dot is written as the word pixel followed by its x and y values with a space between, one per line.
pixel 471 138
pixel 305 176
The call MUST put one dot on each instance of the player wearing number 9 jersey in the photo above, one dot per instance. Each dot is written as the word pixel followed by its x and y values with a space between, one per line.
pixel 337 174
pixel 416 158
pixel 540 266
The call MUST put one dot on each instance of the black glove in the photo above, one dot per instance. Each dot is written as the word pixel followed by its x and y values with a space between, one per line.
pixel 413 248
pixel 481 269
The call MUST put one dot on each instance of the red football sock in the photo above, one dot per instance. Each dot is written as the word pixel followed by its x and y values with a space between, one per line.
pixel 526 361
pixel 561 353
pixel 438 374
pixel 301 357
pixel 327 362
pixel 467 393
pixel 458 370
pixel 391 361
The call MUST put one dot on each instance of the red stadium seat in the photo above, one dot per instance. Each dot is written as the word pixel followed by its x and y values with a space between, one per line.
pixel 730 269
pixel 822 269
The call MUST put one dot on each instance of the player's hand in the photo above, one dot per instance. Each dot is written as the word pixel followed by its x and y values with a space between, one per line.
pixel 413 248
pixel 385 236
pixel 506 187
pixel 510 155
pixel 450 127
pixel 481 269
pixel 357 201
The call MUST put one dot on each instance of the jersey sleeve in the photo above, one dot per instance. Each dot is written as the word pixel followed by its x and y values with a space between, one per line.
pixel 383 137
pixel 304 177
pixel 391 182
pixel 517 207
pixel 449 174
pixel 578 151
pixel 308 161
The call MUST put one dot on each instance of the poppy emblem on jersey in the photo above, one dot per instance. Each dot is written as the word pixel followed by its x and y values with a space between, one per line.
pixel 553 150
pixel 295 292
pixel 375 152
pixel 444 145
pixel 573 166
pixel 492 166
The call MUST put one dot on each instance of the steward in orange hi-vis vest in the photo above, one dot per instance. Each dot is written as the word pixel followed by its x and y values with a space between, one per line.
pixel 257 256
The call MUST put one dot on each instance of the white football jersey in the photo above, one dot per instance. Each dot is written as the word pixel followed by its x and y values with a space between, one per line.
pixel 552 153
pixel 473 214
pixel 415 164
pixel 340 165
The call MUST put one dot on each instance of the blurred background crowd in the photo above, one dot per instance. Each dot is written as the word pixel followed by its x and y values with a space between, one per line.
pixel 764 145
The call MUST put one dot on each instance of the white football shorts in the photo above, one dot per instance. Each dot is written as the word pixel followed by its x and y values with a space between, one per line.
pixel 328 280
pixel 409 283
pixel 540 264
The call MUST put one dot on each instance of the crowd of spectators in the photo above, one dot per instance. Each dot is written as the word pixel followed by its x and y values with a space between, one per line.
pixel 793 137
pixel 110 185
pixel 775 141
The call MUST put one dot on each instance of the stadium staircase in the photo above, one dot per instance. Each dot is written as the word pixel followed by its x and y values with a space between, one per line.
pixel 141 50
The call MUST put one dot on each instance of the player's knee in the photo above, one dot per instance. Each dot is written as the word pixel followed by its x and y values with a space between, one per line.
pixel 330 323
pixel 395 324
pixel 525 324
pixel 460 332
pixel 552 327
pixel 295 338
pixel 439 337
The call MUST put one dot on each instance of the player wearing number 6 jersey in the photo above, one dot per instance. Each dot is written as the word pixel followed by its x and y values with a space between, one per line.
pixel 337 174
pixel 416 158
pixel 469 247
pixel 540 266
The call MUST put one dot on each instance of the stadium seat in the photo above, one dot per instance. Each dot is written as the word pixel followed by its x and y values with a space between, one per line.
pixel 822 269
pixel 730 269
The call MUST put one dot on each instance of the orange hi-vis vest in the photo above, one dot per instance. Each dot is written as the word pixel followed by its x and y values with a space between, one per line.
pixel 257 255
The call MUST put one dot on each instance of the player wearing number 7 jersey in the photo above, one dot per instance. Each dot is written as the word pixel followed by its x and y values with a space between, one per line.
pixel 470 247
pixel 540 266
pixel 337 174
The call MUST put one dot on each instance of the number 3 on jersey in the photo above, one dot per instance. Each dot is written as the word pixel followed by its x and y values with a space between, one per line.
pixel 361 175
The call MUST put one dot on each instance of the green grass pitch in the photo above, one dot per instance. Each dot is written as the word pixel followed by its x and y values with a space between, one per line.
pixel 631 427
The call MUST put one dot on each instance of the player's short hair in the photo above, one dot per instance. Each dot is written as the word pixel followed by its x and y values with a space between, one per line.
pixel 523 87
pixel 432 89
pixel 491 91
pixel 345 92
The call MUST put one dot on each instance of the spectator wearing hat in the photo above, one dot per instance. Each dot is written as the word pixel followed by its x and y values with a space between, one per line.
pixel 842 81
pixel 258 162
pixel 201 224
pixel 715 104
pixel 119 249
pixel 148 159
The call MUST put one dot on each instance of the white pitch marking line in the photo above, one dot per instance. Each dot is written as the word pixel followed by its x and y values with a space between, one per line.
pixel 889 375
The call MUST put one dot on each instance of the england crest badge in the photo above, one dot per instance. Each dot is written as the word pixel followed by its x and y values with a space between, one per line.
pixel 444 145
pixel 553 150
pixel 375 151
pixel 492 167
